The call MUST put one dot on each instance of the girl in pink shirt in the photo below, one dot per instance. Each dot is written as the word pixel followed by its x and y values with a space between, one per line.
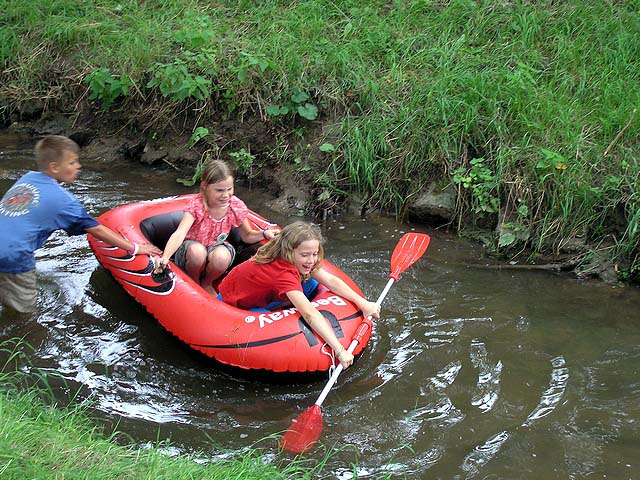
pixel 199 243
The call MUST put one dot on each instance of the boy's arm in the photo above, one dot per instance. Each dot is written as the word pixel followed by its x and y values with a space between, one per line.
pixel 112 238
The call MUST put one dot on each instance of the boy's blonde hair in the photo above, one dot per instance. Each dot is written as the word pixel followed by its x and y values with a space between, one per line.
pixel 290 238
pixel 52 149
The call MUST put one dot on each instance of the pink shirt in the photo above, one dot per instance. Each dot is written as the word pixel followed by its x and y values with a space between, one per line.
pixel 205 228
pixel 252 284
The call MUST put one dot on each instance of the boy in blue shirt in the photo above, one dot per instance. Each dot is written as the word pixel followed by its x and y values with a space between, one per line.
pixel 36 206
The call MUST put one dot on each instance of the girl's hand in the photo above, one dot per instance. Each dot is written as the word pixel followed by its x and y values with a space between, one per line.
pixel 370 309
pixel 160 264
pixel 345 358
pixel 269 234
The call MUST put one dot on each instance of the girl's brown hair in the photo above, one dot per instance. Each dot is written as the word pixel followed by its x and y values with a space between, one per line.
pixel 215 171
pixel 290 238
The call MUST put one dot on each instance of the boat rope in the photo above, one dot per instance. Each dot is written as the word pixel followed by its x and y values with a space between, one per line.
pixel 329 351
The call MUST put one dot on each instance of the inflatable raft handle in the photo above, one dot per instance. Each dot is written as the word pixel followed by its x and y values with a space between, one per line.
pixel 362 330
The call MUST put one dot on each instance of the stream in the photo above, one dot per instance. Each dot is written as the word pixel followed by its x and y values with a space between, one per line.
pixel 473 371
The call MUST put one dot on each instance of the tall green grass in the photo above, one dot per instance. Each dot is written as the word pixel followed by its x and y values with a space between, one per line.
pixel 543 95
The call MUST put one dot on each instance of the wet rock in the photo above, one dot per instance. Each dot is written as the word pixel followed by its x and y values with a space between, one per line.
pixel 22 128
pixel 434 205
pixel 294 201
pixel 152 156
pixel 573 245
pixel 52 124
pixel 28 110
pixel 599 266
pixel 104 148
pixel 134 151
pixel 82 137
pixel 183 156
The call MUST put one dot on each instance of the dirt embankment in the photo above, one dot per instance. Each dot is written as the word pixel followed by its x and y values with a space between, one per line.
pixel 118 137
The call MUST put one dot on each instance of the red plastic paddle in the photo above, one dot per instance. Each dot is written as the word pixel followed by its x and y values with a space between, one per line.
pixel 306 429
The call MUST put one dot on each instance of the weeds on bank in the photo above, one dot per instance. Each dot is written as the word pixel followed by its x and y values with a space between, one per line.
pixel 526 109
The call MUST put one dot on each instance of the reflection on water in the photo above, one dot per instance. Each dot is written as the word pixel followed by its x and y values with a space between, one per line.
pixel 471 372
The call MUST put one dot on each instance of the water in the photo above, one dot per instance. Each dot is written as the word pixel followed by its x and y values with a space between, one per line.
pixel 473 371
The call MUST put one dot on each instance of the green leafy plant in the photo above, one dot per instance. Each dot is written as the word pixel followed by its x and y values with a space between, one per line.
pixel 549 164
pixel 194 38
pixel 197 135
pixel 244 161
pixel 197 174
pixel 250 69
pixel 104 86
pixel 302 166
pixel 176 81
pixel 204 61
pixel 230 100
pixel 481 181
pixel 515 231
pixel 327 147
pixel 250 62
pixel 298 103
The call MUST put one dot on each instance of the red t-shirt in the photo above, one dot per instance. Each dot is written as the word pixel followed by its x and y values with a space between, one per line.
pixel 251 284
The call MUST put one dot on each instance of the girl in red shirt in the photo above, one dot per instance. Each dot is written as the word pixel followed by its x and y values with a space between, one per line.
pixel 199 243
pixel 276 273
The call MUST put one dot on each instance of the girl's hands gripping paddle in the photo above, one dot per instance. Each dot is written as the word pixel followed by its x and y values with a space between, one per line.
pixel 306 429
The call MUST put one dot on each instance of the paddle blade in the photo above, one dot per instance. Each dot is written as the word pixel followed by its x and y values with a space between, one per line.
pixel 304 431
pixel 408 250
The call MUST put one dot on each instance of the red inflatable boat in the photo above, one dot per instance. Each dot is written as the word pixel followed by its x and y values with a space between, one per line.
pixel 276 342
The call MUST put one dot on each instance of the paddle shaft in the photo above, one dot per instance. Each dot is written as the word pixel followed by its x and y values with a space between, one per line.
pixel 352 347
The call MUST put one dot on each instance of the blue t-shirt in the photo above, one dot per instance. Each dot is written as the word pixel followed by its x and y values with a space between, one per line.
pixel 31 210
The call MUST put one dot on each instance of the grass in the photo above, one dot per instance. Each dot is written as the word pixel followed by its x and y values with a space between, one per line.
pixel 41 439
pixel 544 94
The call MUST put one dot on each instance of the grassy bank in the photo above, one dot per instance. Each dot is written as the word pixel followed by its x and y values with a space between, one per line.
pixel 40 440
pixel 527 110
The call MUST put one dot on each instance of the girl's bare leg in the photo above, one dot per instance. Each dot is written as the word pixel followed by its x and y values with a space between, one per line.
pixel 219 261
pixel 196 259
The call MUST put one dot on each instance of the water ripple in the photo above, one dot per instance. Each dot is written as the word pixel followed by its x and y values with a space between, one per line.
pixel 488 386
pixel 482 454
pixel 553 394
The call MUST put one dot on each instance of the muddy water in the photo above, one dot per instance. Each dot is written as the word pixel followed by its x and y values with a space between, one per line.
pixel 473 371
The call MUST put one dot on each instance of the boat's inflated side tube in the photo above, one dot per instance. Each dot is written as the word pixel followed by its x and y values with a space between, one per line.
pixel 272 343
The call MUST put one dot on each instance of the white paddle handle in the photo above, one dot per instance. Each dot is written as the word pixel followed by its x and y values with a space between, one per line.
pixel 385 291
pixel 334 377
pixel 352 347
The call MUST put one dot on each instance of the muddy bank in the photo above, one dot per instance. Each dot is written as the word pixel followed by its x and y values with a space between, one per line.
pixel 110 137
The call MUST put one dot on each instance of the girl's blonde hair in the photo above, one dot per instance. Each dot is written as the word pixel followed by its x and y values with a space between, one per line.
pixel 290 238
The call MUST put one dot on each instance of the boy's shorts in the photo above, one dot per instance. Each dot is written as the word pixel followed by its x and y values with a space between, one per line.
pixel 18 290
pixel 180 257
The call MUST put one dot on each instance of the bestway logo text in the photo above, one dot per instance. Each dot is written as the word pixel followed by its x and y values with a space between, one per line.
pixel 270 317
